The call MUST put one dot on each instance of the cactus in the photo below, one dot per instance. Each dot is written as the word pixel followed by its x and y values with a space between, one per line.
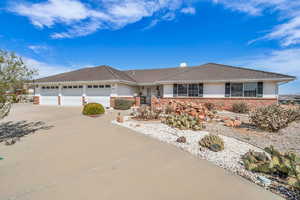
pixel 183 122
pixel 212 142
pixel 285 165
pixel 274 117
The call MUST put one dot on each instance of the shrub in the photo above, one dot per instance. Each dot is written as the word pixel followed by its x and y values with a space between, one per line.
pixel 240 107
pixel 146 113
pixel 183 122
pixel 274 117
pixel 210 106
pixel 212 142
pixel 93 109
pixel 123 104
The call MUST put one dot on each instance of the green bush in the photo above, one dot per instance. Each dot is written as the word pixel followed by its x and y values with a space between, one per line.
pixel 240 107
pixel 123 104
pixel 93 109
pixel 274 117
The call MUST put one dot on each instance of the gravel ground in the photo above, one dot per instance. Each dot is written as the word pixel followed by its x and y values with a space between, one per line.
pixel 287 139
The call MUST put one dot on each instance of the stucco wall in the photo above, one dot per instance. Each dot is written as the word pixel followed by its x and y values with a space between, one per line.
pixel 217 90
pixel 126 90
pixel 167 90
pixel 214 90
pixel 270 90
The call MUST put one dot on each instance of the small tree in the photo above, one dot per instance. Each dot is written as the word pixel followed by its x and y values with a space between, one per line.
pixel 13 74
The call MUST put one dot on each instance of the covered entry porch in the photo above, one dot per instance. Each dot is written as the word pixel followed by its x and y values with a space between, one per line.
pixel 146 92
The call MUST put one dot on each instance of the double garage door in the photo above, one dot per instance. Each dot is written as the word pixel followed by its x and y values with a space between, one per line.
pixel 98 94
pixel 72 95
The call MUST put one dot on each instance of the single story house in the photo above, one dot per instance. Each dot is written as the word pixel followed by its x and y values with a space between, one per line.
pixel 210 82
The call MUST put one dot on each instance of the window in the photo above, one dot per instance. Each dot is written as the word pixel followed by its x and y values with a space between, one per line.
pixel 250 89
pixel 75 86
pixel 101 86
pixel 236 89
pixel 193 90
pixel 80 86
pixel 182 89
pixel 95 86
pixel 175 90
pixel 90 86
pixel 43 87
pixel 200 89
pixel 65 87
pixel 107 86
pixel 70 86
pixel 52 87
pixel 56 87
pixel 48 87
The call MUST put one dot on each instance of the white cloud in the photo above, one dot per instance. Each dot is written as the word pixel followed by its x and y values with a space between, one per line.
pixel 85 18
pixel 188 10
pixel 45 69
pixel 288 30
pixel 280 61
pixel 38 48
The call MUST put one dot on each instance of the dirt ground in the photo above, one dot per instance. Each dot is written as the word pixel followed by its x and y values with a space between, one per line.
pixel 287 139
pixel 65 155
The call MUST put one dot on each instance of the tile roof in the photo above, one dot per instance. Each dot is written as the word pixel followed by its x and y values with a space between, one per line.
pixel 206 72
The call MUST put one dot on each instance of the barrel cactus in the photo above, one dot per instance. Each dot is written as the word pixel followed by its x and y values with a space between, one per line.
pixel 184 122
pixel 212 142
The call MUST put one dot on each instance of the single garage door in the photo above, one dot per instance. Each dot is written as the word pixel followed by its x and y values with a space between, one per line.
pixel 49 95
pixel 98 94
pixel 72 95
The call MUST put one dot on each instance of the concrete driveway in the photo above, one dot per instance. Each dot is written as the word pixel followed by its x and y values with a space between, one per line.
pixel 89 158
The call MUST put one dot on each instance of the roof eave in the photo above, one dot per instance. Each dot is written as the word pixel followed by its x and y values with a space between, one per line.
pixel 228 80
pixel 82 82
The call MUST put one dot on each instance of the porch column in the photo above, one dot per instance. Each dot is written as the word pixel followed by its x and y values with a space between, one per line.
pixel 59 94
pixel 83 94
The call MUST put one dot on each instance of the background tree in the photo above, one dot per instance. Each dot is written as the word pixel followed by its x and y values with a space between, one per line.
pixel 13 74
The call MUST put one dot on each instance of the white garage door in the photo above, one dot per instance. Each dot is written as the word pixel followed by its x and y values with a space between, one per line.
pixel 71 95
pixel 98 94
pixel 49 95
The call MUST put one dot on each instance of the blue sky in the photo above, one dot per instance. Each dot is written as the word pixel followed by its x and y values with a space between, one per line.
pixel 61 35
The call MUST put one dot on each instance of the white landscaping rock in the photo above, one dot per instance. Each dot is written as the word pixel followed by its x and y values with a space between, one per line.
pixel 229 158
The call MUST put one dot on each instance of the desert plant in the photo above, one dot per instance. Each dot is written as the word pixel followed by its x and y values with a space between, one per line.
pixel 147 113
pixel 274 117
pixel 212 142
pixel 183 122
pixel 256 161
pixel 210 106
pixel 285 165
pixel 123 104
pixel 240 107
pixel 93 109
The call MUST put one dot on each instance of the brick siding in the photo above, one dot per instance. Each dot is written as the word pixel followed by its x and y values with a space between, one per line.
pixel 221 103
pixel 36 100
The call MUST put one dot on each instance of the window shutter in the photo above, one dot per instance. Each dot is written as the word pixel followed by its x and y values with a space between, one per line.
pixel 260 89
pixel 175 92
pixel 200 89
pixel 227 89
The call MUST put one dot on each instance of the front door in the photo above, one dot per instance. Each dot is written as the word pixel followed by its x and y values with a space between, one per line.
pixel 148 97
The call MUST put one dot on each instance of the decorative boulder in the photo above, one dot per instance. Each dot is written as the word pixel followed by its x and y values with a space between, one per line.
pixel 181 139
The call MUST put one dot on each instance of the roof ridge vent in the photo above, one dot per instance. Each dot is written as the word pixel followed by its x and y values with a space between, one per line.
pixel 183 64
